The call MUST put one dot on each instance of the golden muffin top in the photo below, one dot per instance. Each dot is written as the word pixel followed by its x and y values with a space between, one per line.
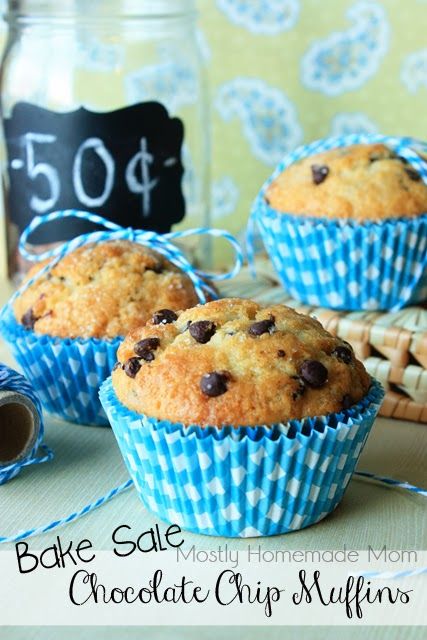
pixel 235 362
pixel 361 182
pixel 103 290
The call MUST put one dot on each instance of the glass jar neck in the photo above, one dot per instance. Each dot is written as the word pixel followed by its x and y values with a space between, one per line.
pixel 98 10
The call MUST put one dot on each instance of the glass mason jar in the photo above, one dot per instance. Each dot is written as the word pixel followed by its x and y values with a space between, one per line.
pixel 104 108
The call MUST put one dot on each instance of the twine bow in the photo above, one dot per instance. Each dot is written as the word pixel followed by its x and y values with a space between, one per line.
pixel 162 243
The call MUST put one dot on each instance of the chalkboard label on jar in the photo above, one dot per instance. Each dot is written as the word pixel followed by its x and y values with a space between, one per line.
pixel 124 164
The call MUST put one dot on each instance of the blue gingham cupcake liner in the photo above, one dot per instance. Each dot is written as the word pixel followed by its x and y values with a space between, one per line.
pixel 344 264
pixel 66 373
pixel 244 481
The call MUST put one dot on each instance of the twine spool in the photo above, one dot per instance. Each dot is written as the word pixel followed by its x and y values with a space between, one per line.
pixel 21 425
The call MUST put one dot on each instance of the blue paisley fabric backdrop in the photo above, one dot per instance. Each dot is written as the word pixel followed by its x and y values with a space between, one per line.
pixel 283 72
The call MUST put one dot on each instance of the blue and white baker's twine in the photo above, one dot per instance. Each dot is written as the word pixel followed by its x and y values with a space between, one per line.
pixel 10 380
pixel 162 243
pixel 28 533
pixel 406 147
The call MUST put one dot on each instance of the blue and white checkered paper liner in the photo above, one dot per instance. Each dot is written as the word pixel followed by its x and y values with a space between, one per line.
pixel 66 373
pixel 244 482
pixel 11 380
pixel 344 264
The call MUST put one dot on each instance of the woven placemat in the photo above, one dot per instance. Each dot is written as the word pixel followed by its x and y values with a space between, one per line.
pixel 393 346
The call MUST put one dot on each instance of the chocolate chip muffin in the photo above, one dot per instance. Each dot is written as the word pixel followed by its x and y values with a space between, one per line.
pixel 102 291
pixel 363 182
pixel 234 362
pixel 345 229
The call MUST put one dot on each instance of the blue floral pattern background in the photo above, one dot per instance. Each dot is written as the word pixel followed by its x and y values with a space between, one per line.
pixel 345 60
pixel 284 72
pixel 281 73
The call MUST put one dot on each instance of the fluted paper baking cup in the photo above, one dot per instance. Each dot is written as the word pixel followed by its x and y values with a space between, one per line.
pixel 345 265
pixel 244 481
pixel 65 372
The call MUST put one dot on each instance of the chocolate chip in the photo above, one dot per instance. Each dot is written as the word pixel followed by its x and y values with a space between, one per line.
pixel 144 348
pixel 156 267
pixel 346 401
pixel 131 367
pixel 281 353
pixel 314 373
pixel 214 384
pixel 148 344
pixel 29 319
pixel 202 331
pixel 299 391
pixel 148 356
pixel 117 365
pixel 342 353
pixel 164 316
pixel 262 326
pixel 414 175
pixel 320 173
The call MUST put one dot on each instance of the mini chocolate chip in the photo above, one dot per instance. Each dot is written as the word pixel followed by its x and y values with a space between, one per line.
pixel 147 355
pixel 320 173
pixel 262 326
pixel 131 367
pixel 202 331
pixel 281 353
pixel 414 175
pixel 117 365
pixel 157 268
pixel 314 373
pixel 300 390
pixel 402 159
pixel 29 319
pixel 146 345
pixel 346 401
pixel 164 316
pixel 214 384
pixel 343 353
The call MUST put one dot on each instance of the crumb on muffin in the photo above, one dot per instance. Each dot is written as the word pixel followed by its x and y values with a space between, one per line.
pixel 103 290
pixel 361 182
pixel 234 362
